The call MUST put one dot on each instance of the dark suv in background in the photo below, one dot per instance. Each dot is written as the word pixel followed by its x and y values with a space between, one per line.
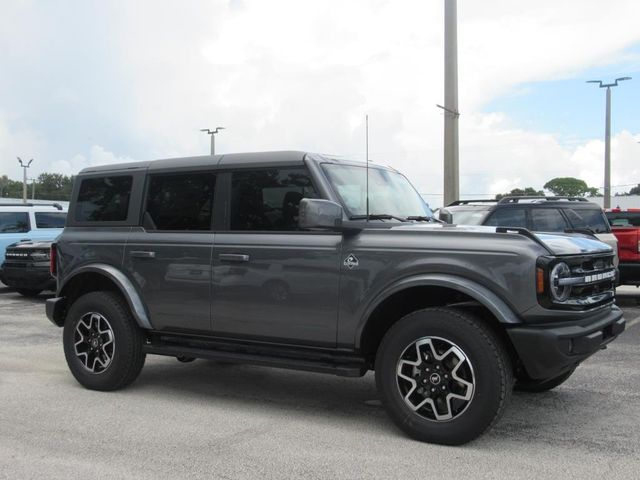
pixel 302 261
pixel 537 214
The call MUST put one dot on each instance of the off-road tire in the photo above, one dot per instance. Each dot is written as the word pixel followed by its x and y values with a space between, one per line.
pixel 127 358
pixel 492 372
pixel 544 385
pixel 28 292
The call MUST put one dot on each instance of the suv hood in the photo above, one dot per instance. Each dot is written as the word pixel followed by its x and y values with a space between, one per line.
pixel 556 243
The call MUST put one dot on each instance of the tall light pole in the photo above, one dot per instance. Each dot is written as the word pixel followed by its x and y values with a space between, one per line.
pixel 33 188
pixel 607 138
pixel 24 178
pixel 213 137
pixel 451 114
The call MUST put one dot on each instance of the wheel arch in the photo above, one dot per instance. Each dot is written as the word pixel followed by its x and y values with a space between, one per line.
pixel 431 290
pixel 98 276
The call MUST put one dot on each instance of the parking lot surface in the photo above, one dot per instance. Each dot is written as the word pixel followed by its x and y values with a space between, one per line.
pixel 210 420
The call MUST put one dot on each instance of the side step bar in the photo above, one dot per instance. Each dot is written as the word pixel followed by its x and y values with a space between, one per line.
pixel 312 360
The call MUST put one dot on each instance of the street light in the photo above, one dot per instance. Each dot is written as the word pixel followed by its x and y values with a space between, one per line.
pixel 24 178
pixel 213 137
pixel 607 138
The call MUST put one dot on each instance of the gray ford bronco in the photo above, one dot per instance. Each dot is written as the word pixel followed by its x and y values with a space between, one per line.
pixel 282 259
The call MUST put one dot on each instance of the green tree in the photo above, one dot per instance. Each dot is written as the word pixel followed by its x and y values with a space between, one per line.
pixel 635 190
pixel 519 192
pixel 53 186
pixel 570 187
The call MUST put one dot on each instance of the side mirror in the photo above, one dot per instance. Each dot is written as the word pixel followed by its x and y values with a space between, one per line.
pixel 314 213
pixel 445 216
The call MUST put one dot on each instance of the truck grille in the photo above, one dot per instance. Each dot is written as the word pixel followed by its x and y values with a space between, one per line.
pixel 592 281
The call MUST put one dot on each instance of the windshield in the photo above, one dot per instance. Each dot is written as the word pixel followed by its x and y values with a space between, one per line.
pixel 390 192
pixel 592 219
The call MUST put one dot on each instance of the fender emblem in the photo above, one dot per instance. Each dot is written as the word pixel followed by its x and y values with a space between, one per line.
pixel 351 261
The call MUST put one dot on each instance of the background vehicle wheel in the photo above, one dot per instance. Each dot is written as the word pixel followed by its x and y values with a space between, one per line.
pixel 544 385
pixel 443 375
pixel 102 343
pixel 28 292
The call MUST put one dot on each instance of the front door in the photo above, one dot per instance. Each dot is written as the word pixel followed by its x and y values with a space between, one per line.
pixel 272 281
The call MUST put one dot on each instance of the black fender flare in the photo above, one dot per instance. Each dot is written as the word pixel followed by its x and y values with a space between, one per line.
pixel 123 283
pixel 498 307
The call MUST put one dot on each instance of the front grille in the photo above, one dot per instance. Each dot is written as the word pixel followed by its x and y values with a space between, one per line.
pixel 592 281
pixel 25 254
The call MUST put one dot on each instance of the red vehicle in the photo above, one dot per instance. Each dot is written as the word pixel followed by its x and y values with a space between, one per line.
pixel 625 225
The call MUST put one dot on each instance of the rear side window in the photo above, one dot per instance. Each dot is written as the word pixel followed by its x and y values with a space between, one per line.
pixel 593 219
pixel 508 217
pixel 180 202
pixel 14 222
pixel 104 199
pixel 50 219
pixel 547 220
pixel 268 199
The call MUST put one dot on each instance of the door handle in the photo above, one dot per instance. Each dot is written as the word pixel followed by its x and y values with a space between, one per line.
pixel 142 254
pixel 233 257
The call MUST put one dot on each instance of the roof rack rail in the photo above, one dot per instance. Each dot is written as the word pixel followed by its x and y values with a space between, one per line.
pixel 516 199
pixel 467 202
pixel 20 204
pixel 526 233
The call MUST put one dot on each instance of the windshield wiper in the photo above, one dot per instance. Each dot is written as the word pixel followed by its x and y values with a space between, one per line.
pixel 585 231
pixel 377 216
pixel 423 218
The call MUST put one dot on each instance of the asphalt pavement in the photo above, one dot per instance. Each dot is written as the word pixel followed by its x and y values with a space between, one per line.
pixel 211 420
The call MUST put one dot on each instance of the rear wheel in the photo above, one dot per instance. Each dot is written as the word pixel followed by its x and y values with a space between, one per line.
pixel 443 375
pixel 102 343
pixel 544 385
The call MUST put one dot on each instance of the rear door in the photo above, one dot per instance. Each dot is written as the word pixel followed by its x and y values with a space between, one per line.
pixel 169 256
pixel 272 281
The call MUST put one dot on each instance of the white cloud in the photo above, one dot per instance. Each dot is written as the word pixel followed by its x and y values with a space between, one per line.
pixel 97 156
pixel 301 75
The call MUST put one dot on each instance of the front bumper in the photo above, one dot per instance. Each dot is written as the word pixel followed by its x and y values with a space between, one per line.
pixel 548 350
pixel 33 277
pixel 629 273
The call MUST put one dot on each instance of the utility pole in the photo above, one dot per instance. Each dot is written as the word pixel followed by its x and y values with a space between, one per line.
pixel 607 138
pixel 213 137
pixel 33 188
pixel 451 114
pixel 24 178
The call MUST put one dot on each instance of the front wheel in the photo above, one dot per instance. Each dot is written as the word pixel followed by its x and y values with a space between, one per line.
pixel 102 342
pixel 444 377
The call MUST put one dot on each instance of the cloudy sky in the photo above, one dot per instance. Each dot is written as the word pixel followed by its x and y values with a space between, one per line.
pixel 94 82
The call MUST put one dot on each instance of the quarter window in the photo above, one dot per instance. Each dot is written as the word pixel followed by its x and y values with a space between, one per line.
pixel 180 202
pixel 50 219
pixel 104 199
pixel 268 199
pixel 14 222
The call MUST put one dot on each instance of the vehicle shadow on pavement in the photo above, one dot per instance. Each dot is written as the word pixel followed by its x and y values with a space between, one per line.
pixel 568 416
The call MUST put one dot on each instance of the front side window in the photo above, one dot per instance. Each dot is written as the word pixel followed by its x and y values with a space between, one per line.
pixel 104 199
pixel 14 222
pixel 508 217
pixel 180 201
pixel 50 219
pixel 268 199
pixel 389 192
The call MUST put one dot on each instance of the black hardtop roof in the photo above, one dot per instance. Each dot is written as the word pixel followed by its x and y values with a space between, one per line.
pixel 292 157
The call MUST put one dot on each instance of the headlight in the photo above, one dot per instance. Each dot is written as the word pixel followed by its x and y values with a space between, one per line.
pixel 560 293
